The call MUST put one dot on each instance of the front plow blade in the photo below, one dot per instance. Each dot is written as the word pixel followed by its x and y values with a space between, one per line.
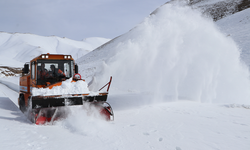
pixel 46 110
pixel 47 115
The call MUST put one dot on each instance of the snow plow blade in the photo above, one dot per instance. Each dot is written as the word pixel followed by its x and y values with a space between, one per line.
pixel 47 109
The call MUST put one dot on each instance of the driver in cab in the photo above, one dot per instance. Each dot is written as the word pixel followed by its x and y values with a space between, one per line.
pixel 42 73
pixel 55 72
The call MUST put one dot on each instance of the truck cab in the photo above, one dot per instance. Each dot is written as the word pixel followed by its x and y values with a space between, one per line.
pixel 48 69
pixel 32 73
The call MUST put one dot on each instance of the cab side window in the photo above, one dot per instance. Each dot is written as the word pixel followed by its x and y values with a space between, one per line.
pixel 33 70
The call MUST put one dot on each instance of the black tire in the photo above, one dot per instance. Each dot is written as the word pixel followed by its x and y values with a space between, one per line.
pixel 22 106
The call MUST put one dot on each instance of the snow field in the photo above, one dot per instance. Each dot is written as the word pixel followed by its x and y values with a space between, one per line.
pixel 190 127
pixel 178 125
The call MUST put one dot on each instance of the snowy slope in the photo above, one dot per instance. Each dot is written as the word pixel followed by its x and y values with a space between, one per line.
pixel 237 26
pixel 232 17
pixel 173 55
pixel 24 47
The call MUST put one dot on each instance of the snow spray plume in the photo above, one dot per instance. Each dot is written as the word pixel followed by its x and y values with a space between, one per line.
pixel 176 53
pixel 84 120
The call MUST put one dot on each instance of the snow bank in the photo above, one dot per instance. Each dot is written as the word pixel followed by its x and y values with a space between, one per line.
pixel 67 87
pixel 175 54
pixel 10 82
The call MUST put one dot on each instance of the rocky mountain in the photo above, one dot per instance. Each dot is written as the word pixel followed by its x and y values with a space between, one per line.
pixel 219 9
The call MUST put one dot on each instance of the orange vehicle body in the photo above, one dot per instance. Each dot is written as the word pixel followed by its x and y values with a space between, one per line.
pixel 27 82
pixel 32 79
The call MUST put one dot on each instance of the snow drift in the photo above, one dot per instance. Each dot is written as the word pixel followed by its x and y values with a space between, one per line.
pixel 67 87
pixel 174 54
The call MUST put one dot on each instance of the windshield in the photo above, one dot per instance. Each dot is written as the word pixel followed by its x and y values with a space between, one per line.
pixel 53 70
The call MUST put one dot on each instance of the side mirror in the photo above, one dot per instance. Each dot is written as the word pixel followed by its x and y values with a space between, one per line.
pixel 76 69
pixel 26 69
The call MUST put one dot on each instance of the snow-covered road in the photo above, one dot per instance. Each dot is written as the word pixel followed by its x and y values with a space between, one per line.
pixel 182 125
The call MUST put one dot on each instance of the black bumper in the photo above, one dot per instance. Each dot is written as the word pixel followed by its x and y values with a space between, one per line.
pixel 47 102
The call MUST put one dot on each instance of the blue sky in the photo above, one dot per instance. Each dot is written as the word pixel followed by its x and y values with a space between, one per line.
pixel 74 19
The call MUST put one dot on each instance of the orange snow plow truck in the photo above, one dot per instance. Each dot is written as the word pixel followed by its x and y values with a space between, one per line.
pixel 38 98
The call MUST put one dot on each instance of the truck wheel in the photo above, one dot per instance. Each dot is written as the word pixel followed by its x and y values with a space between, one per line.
pixel 22 106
